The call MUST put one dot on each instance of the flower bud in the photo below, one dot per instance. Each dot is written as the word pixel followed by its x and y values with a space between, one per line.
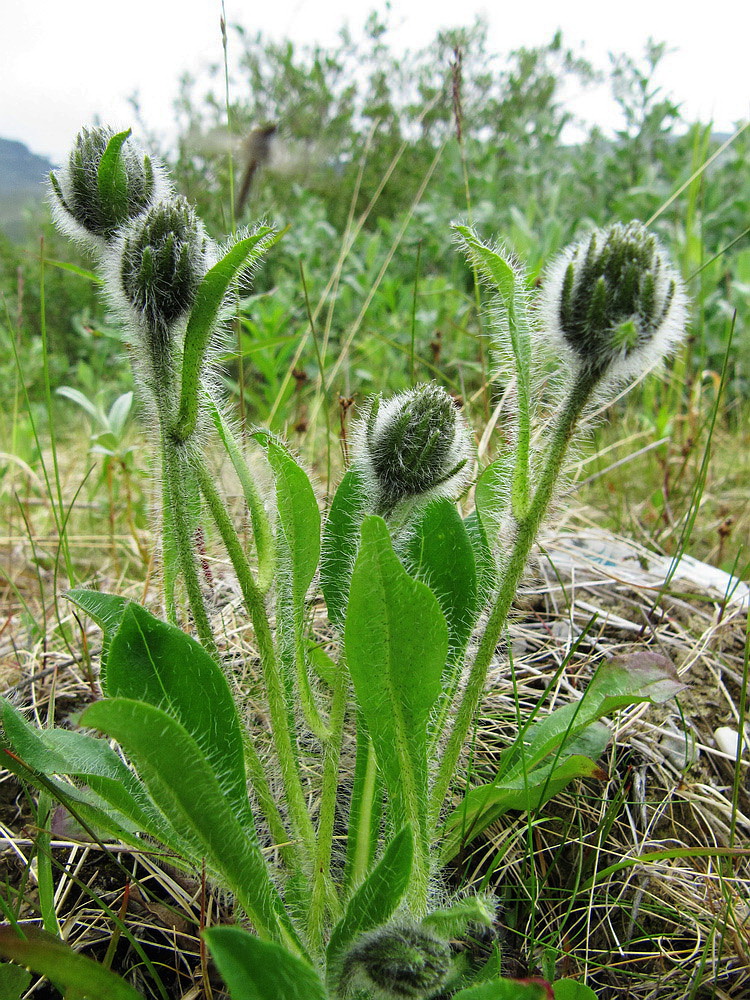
pixel 615 302
pixel 89 206
pixel 414 444
pixel 161 261
pixel 399 962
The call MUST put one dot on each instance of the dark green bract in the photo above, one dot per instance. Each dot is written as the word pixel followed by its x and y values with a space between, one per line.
pixel 162 264
pixel 617 292
pixel 106 182
pixel 401 961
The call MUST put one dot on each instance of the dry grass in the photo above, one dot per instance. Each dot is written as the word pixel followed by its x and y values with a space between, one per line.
pixel 671 927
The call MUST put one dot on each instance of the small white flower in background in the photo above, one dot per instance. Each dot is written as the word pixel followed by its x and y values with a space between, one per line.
pixel 614 303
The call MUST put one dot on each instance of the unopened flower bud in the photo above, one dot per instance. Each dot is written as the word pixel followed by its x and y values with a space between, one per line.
pixel 91 203
pixel 414 444
pixel 615 302
pixel 161 261
pixel 395 962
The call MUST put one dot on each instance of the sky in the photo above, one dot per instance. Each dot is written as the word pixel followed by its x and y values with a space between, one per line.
pixel 63 62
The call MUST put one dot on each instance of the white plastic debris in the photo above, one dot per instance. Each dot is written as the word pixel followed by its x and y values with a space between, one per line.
pixel 628 562
pixel 728 741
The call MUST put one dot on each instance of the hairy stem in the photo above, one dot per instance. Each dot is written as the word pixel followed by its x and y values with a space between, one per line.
pixel 280 722
pixel 526 532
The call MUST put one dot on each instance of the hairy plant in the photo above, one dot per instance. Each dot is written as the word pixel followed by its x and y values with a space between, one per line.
pixel 417 597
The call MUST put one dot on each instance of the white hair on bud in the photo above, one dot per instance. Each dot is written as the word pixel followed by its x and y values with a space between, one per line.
pixel 627 366
pixel 66 222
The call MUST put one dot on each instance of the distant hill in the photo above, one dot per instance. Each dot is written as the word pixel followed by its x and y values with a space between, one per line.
pixel 22 177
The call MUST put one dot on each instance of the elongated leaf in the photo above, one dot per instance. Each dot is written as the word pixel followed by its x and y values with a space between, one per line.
pixel 508 989
pixel 501 274
pixel 341 542
pixel 63 752
pixel 158 663
pixel 298 547
pixel 299 517
pixel 14 981
pixel 261 970
pixel 53 958
pixel 486 803
pixel 119 412
pixel 204 315
pixel 440 554
pixel 373 903
pixel 107 611
pixel 397 646
pixel 183 784
pixel 77 397
pixel 624 680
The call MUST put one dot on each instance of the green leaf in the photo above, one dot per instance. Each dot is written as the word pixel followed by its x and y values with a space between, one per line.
pixel 453 921
pixel 571 989
pixel 396 646
pixel 508 989
pixel 298 544
pixel 440 554
pixel 119 412
pixel 107 611
pixel 14 981
pixel 374 902
pixel 72 972
pixel 112 177
pixel 64 752
pixel 484 804
pixel 209 300
pixel 185 787
pixel 515 338
pixel 299 517
pixel 625 680
pixel 260 970
pixel 341 542
pixel 158 663
pixel 77 397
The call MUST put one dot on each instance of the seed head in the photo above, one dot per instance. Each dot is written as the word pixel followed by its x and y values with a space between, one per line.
pixel 161 261
pixel 395 962
pixel 107 181
pixel 414 444
pixel 615 302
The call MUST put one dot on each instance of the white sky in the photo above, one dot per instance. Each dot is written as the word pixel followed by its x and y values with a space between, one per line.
pixel 64 61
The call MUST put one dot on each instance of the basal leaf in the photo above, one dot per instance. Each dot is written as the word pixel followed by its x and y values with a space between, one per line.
pixel 571 989
pixel 53 958
pixel 299 517
pixel 158 663
pixel 64 752
pixel 107 611
pixel 183 784
pixel 260 970
pixel 508 989
pixel 396 646
pixel 486 803
pixel 14 981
